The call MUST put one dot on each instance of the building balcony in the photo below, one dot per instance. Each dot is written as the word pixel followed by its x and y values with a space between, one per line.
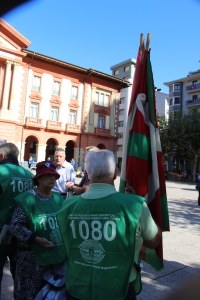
pixel 193 102
pixel 193 88
pixel 72 128
pixel 102 132
pixel 54 125
pixel 175 107
pixel 33 122
pixel 174 94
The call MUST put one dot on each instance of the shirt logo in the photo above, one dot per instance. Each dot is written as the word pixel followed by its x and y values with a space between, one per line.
pixel 92 251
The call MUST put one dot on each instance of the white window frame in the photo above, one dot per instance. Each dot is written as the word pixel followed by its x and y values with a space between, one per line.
pixel 54 113
pixel 74 92
pixel 126 68
pixel 116 72
pixel 72 116
pixel 34 110
pixel 56 88
pixel 36 85
pixel 177 87
pixel 101 122
pixel 102 98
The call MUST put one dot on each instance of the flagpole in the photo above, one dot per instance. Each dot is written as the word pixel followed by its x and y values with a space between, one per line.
pixel 144 47
pixel 148 41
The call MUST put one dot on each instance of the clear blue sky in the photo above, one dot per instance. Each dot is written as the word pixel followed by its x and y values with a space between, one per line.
pixel 100 33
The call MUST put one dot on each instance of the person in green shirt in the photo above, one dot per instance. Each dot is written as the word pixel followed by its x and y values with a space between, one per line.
pixel 103 232
pixel 14 179
pixel 35 226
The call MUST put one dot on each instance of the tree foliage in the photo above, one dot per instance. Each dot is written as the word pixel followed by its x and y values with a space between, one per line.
pixel 181 135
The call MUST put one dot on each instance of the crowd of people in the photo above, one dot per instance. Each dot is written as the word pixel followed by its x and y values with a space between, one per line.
pixel 87 236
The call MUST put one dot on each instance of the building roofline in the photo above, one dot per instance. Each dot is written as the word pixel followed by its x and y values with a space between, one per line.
pixel 16 36
pixel 192 75
pixel 73 67
pixel 130 60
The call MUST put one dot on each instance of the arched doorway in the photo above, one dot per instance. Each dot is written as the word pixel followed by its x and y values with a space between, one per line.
pixel 30 148
pixel 69 150
pixel 50 149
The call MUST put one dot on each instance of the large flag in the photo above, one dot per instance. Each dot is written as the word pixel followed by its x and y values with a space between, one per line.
pixel 142 163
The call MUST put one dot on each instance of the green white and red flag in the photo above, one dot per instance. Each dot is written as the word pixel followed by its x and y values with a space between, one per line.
pixel 142 162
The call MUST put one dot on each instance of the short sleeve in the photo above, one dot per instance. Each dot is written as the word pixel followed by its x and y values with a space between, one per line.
pixel 148 228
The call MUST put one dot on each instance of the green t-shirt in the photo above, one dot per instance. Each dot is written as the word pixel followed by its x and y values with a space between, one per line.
pixel 99 236
pixel 43 222
pixel 14 179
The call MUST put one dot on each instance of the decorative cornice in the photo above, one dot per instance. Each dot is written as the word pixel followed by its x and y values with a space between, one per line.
pixel 35 96
pixel 74 104
pixel 102 110
pixel 55 100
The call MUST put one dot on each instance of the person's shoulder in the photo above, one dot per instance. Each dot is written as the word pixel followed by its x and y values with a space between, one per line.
pixel 16 168
pixel 73 200
pixel 25 195
pixel 24 172
pixel 57 195
pixel 66 164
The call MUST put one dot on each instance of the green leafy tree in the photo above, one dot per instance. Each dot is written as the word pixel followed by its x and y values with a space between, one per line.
pixel 181 135
pixel 192 138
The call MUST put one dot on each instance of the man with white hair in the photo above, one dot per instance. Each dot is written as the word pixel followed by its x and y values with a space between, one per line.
pixel 103 232
pixel 66 172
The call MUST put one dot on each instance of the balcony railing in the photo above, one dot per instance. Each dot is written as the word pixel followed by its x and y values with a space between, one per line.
pixel 102 131
pixel 174 94
pixel 175 107
pixel 73 128
pixel 193 102
pixel 54 125
pixel 33 122
pixel 193 87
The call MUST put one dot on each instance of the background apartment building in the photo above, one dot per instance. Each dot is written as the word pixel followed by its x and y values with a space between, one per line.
pixel 45 102
pixel 184 98
pixel 126 70
pixel 184 94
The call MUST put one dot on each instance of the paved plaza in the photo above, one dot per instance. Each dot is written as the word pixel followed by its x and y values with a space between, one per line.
pixel 181 246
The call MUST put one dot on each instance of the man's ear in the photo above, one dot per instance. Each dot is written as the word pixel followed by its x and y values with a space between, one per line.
pixel 1 156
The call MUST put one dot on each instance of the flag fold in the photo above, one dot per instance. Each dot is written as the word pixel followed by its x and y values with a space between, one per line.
pixel 142 162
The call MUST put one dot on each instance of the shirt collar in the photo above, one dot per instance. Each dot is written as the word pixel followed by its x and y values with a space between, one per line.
pixel 63 165
pixel 99 190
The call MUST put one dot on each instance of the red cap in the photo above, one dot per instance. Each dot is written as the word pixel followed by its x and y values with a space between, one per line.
pixel 46 167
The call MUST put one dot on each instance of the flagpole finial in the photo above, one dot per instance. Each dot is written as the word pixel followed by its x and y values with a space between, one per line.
pixel 148 41
pixel 141 42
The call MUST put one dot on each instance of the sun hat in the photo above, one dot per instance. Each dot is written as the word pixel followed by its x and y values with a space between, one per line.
pixel 46 167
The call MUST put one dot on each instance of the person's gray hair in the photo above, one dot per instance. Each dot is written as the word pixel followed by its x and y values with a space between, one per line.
pixel 100 164
pixel 60 150
pixel 9 151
